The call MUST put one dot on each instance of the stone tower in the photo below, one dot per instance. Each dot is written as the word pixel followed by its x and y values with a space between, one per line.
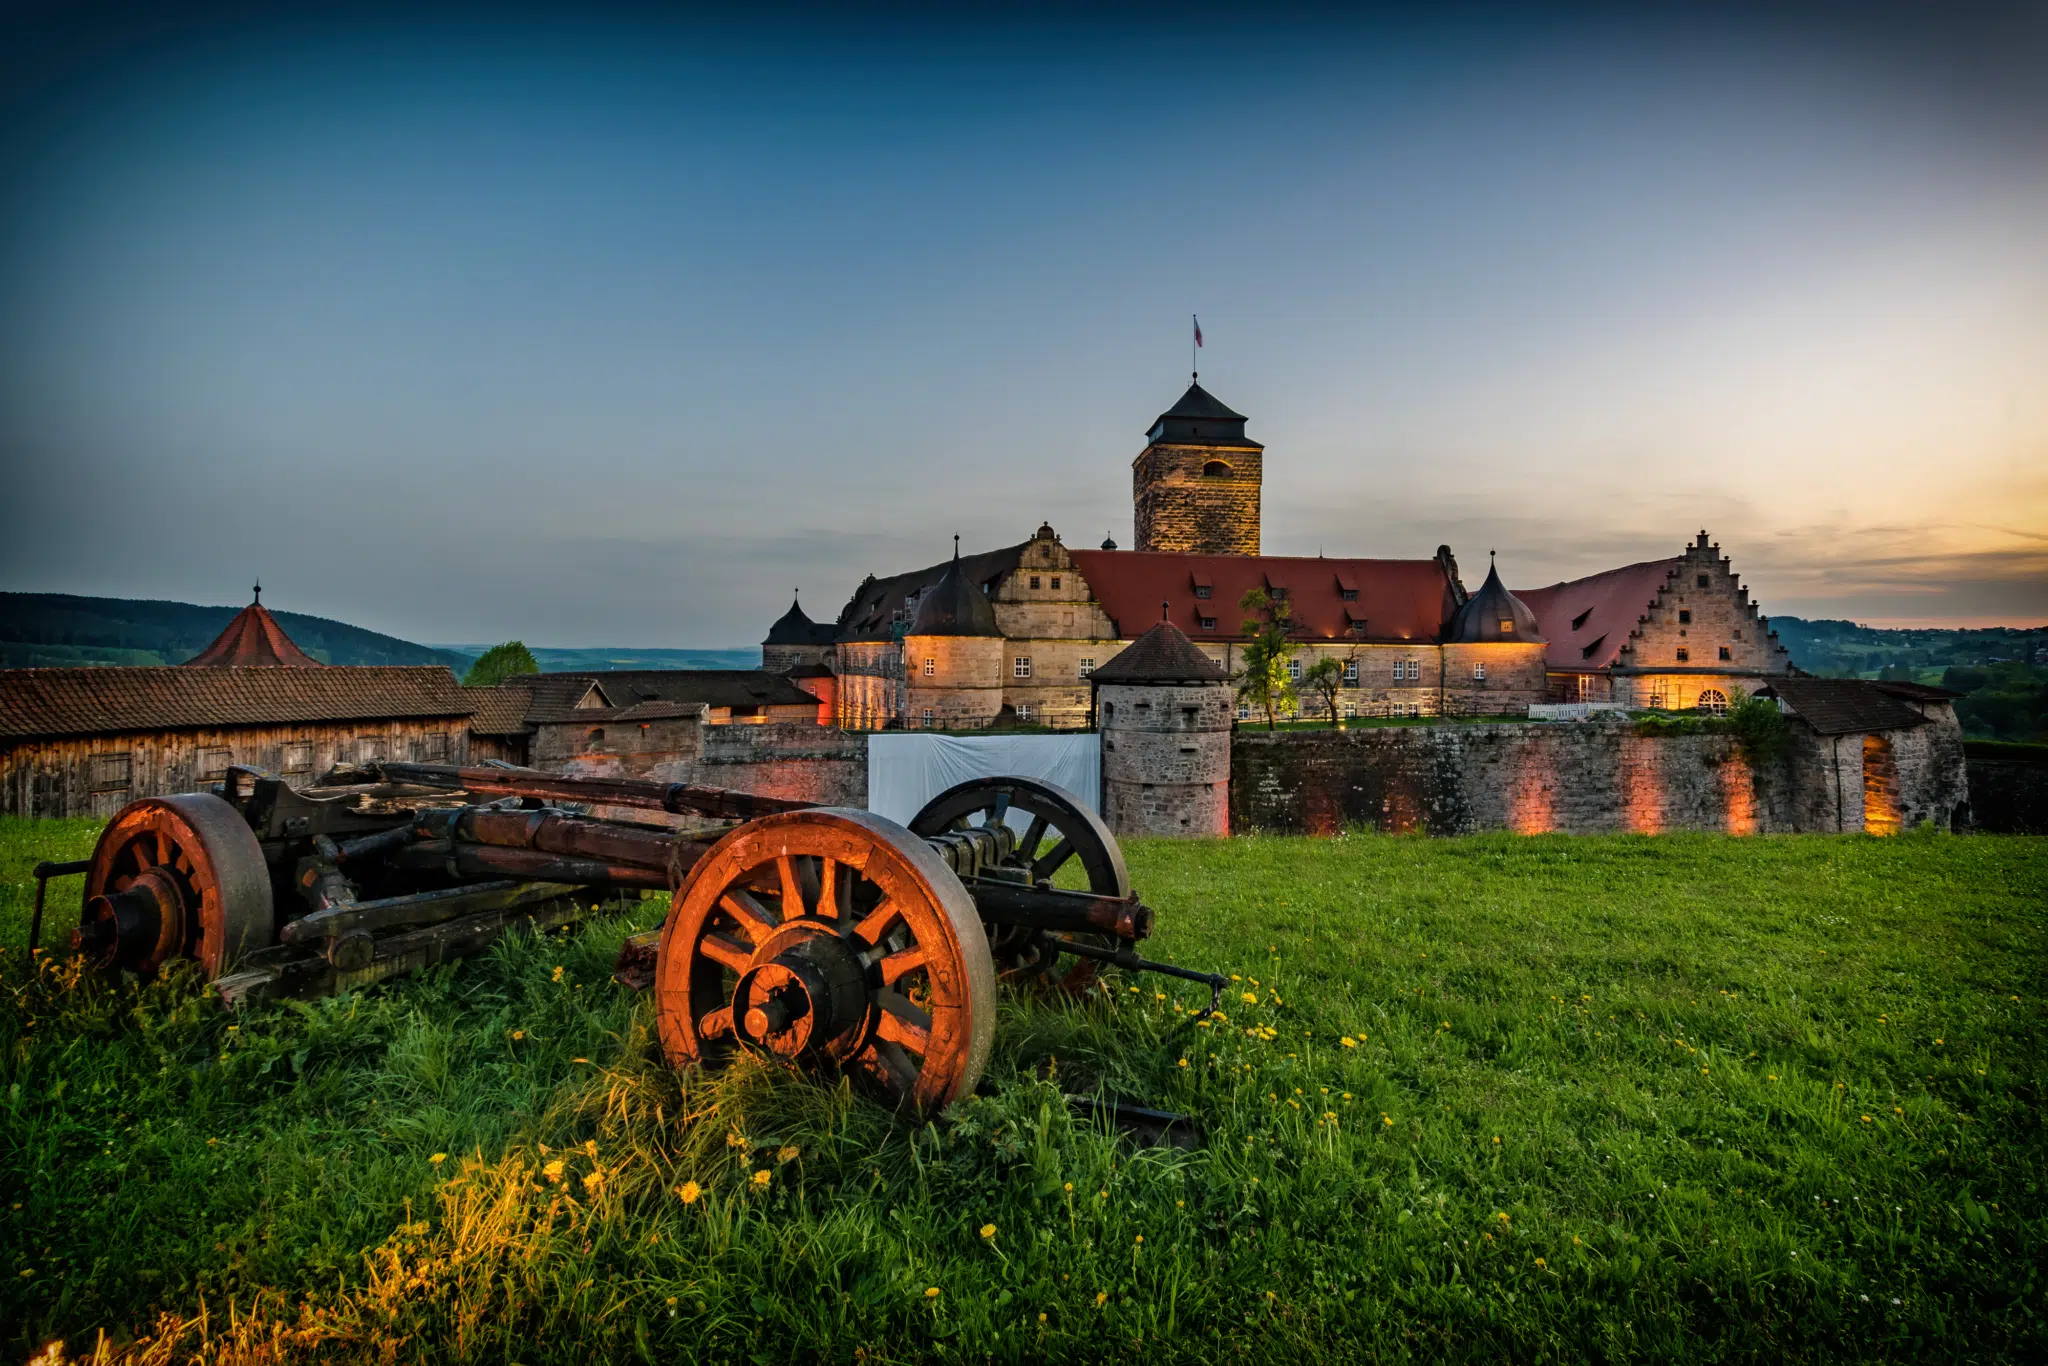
pixel 1164 710
pixel 1195 486
pixel 953 656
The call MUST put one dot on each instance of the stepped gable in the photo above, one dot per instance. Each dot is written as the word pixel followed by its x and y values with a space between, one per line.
pixel 956 606
pixel 49 703
pixel 1586 621
pixel 1388 602
pixel 1493 615
pixel 1163 654
pixel 1845 706
pixel 252 640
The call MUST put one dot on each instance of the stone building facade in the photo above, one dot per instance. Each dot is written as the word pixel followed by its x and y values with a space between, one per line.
pixel 1165 713
pixel 1672 635
pixel 1195 487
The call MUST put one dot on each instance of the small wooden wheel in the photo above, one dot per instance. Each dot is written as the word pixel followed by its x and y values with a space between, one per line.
pixel 1057 831
pixel 176 877
pixel 836 938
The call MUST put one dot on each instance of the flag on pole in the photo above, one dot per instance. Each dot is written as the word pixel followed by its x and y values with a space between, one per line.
pixel 1198 329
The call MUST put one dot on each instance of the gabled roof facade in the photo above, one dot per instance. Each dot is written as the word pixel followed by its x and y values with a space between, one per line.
pixel 1395 600
pixel 54 703
pixel 1587 621
pixel 882 609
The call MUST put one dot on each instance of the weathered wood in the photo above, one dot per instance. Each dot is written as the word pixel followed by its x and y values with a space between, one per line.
pixel 634 968
pixel 633 792
pixel 421 908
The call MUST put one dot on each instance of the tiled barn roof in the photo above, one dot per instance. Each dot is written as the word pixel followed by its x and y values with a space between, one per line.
pixel 712 687
pixel 253 639
pixel 47 703
pixel 1398 600
pixel 499 711
pixel 1842 706
pixel 1163 654
pixel 1588 620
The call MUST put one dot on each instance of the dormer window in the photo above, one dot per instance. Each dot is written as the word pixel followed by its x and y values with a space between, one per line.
pixel 1580 619
pixel 1507 626
pixel 1348 594
pixel 1202 592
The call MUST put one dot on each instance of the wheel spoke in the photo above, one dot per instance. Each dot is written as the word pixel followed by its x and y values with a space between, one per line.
pixel 730 952
pixel 1028 846
pixel 876 923
pixel 1058 854
pixel 835 893
pixel 891 1066
pixel 896 964
pixel 799 893
pixel 754 919
pixel 715 1023
pixel 902 1021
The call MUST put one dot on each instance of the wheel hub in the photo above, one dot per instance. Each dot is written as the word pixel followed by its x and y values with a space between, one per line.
pixel 144 922
pixel 803 998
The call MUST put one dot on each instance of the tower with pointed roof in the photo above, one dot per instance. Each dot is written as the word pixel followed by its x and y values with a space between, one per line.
pixel 253 639
pixel 1195 486
pixel 953 655
pixel 1164 710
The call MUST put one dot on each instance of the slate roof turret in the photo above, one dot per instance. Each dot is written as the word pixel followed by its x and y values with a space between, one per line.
pixel 1163 654
pixel 1493 616
pixel 795 627
pixel 955 606
pixel 1200 419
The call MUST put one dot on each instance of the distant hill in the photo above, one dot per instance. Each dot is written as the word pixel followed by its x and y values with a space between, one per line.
pixel 1842 649
pixel 606 658
pixel 47 630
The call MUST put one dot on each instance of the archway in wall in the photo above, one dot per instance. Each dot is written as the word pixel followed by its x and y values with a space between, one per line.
pixel 1216 469
pixel 1712 701
pixel 1880 787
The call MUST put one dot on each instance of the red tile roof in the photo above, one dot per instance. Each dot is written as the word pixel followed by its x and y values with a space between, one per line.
pixel 1588 620
pixel 1399 599
pixel 46 703
pixel 253 640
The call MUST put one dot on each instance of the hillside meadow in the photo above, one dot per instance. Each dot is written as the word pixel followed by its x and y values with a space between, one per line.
pixel 1570 1099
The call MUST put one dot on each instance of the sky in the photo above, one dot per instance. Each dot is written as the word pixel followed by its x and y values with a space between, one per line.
pixel 606 326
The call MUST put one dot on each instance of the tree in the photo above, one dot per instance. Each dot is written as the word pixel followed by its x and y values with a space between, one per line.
pixel 499 663
pixel 1264 682
pixel 1326 677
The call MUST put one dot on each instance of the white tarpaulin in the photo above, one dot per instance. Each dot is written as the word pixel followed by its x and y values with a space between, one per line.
pixel 908 769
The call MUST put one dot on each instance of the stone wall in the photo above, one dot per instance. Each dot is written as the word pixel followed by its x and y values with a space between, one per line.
pixel 797 762
pixel 2008 788
pixel 964 686
pixel 1593 778
pixel 1178 507
pixel 1166 759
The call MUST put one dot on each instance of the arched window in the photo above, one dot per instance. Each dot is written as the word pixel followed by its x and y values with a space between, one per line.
pixel 1712 700
pixel 1216 468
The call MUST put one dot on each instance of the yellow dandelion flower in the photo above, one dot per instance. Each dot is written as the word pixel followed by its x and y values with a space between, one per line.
pixel 1041 1317
pixel 690 1192
pixel 590 1146
pixel 1070 1188
pixel 1496 1139
pixel 1183 1062
pixel 762 1178
pixel 736 1141
pixel 1235 978
pixel 1347 1042
pixel 788 1154
pixel 438 1158
pixel 1866 1119
pixel 1500 1216
pixel 1575 1240
pixel 593 1180
pixel 1250 998
pixel 1772 1076
pixel 518 1033
pixel 988 1230
pixel 1937 1043
pixel 1141 1238
pixel 1101 1298
pixel 1180 1204
pixel 931 1292
pixel 1898 1110
pixel 558 973
pixel 553 1170
pixel 1539 1262
pixel 1387 1120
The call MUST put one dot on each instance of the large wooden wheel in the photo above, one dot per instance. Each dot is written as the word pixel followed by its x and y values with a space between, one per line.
pixel 836 938
pixel 176 877
pixel 1057 831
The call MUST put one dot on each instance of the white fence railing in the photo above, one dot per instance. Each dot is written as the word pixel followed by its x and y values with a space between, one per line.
pixel 1571 711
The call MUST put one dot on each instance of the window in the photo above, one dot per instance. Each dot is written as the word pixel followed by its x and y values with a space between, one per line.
pixel 213 763
pixel 1294 670
pixel 931 666
pixel 1244 711
pixel 1507 626
pixel 1278 592
pixel 1478 673
pixel 1726 653
pixel 1087 667
pixel 1712 700
pixel 1738 633
pixel 1202 592
pixel 1208 623
pixel 1580 619
pixel 1348 594
pixel 1684 655
pixel 1703 581
pixel 1408 669
pixel 927 718
pixel 1350 671
pixel 1055 581
pixel 1023 711
pixel 432 749
pixel 297 757
pixel 111 772
pixel 593 737
pixel 1022 667
pixel 1216 469
pixel 1684 617
pixel 1034 580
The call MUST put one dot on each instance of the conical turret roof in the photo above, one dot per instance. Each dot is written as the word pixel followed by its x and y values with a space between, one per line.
pixel 1493 614
pixel 253 640
pixel 1163 654
pixel 794 628
pixel 954 606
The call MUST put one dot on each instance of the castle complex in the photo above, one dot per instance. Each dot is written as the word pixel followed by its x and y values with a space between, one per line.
pixel 1016 633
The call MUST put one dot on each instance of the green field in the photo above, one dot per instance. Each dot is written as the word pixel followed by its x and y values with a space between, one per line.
pixel 1602 1099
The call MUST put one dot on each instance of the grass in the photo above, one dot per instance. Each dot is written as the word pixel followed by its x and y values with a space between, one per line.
pixel 1604 1099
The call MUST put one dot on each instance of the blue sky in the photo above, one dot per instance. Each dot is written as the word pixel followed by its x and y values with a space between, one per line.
pixel 602 327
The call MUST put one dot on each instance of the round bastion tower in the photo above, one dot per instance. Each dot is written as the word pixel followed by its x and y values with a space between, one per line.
pixel 1164 711
pixel 953 656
